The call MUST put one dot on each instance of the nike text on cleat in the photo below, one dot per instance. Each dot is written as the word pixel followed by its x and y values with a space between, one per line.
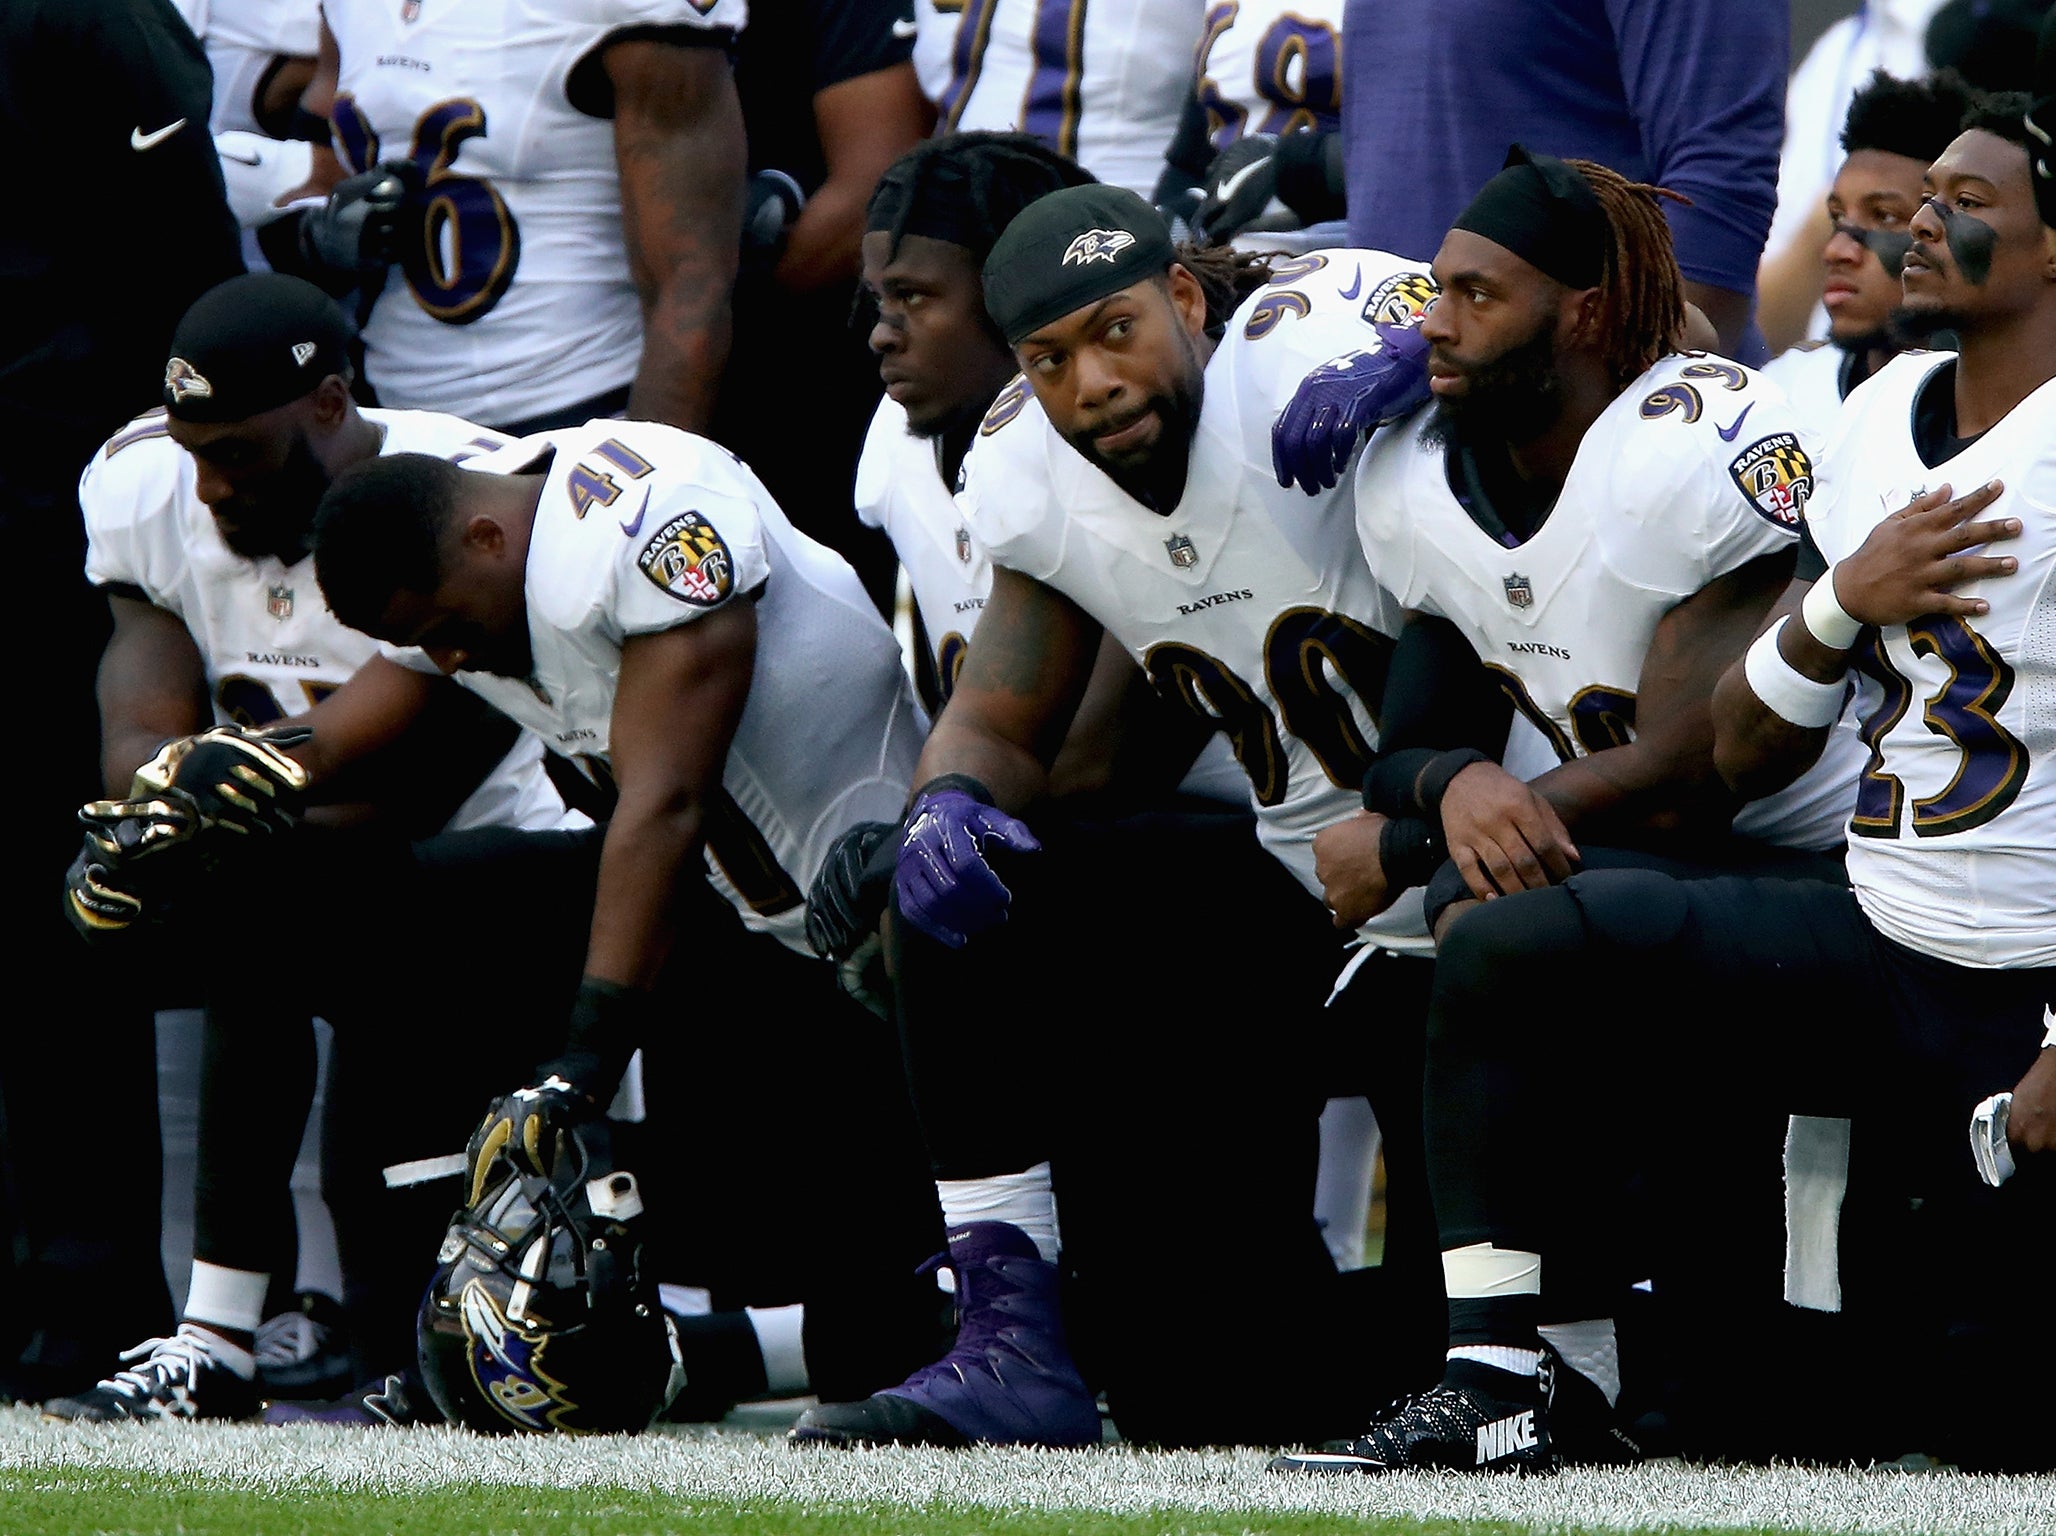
pixel 194 1374
pixel 140 141
pixel 1466 1427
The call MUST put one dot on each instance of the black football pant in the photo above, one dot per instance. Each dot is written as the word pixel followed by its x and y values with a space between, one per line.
pixel 1611 1028
pixel 81 1274
pixel 1149 1020
pixel 448 969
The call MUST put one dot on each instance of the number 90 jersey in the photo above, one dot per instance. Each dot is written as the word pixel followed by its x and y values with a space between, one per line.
pixel 642 528
pixel 1953 840
pixel 270 647
pixel 516 298
pixel 1697 468
pixel 1249 605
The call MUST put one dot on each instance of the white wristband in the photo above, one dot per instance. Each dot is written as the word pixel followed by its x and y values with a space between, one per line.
pixel 1826 619
pixel 1785 691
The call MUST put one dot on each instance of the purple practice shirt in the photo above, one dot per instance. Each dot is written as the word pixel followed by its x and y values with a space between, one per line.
pixel 1688 94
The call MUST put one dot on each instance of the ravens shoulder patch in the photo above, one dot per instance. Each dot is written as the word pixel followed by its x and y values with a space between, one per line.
pixel 1776 476
pixel 687 559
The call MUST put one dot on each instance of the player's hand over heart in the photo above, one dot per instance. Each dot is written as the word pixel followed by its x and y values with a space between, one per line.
pixel 2031 1126
pixel 1913 562
pixel 1351 873
pixel 1503 836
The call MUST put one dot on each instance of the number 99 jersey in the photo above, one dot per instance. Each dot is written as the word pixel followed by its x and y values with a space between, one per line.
pixel 1952 846
pixel 516 298
pixel 1248 605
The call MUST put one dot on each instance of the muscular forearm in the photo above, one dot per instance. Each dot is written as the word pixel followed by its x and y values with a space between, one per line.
pixel 649 848
pixel 1756 752
pixel 1015 776
pixel 1636 788
pixel 685 345
pixel 822 248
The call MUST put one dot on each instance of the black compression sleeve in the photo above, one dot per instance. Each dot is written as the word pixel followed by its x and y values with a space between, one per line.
pixel 1438 698
pixel 1410 851
pixel 1310 176
pixel 1812 563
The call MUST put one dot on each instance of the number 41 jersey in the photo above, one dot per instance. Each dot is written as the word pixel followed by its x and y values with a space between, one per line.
pixel 1953 841
pixel 1248 604
pixel 516 299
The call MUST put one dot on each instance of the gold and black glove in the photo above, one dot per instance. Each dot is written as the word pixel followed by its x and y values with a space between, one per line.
pixel 240 780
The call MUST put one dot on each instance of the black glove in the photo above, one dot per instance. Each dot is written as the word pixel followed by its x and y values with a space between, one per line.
pixel 237 779
pixel 1255 170
pixel 850 892
pixel 132 851
pixel 350 240
pixel 527 1127
pixel 771 207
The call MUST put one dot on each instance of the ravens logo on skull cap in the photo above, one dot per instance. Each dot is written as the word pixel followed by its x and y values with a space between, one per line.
pixel 1067 250
pixel 251 344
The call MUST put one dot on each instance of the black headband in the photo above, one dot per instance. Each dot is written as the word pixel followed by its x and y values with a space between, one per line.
pixel 1065 250
pixel 1545 213
pixel 250 345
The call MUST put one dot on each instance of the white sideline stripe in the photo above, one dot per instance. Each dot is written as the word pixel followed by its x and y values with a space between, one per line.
pixel 424 1169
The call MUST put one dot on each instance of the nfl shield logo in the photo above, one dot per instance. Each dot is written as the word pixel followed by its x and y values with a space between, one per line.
pixel 410 10
pixel 964 545
pixel 278 602
pixel 1181 551
pixel 1520 591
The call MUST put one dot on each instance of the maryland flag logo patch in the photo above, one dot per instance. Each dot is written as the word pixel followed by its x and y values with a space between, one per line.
pixel 687 559
pixel 1776 476
pixel 1401 299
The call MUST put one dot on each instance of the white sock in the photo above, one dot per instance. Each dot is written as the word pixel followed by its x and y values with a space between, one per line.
pixel 778 1340
pixel 226 1298
pixel 1501 1357
pixel 1026 1200
pixel 1592 1349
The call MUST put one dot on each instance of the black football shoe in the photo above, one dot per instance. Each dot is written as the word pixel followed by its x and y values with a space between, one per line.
pixel 1477 1419
pixel 304 1355
pixel 1585 1430
pixel 194 1374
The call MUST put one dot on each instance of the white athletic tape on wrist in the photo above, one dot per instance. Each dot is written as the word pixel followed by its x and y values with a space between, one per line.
pixel 1783 689
pixel 1826 619
pixel 1480 1270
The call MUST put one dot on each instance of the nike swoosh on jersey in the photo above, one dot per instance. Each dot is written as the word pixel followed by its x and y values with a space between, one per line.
pixel 239 160
pixel 140 141
pixel 1727 433
pixel 904 27
pixel 1355 284
pixel 630 530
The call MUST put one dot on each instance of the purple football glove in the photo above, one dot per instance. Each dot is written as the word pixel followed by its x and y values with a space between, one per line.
pixel 1341 400
pixel 946 889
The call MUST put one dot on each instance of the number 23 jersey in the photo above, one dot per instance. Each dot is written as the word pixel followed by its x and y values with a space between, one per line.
pixel 1249 605
pixel 1952 846
pixel 516 298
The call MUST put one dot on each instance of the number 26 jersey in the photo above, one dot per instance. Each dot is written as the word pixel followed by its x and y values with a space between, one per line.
pixel 1952 845
pixel 515 298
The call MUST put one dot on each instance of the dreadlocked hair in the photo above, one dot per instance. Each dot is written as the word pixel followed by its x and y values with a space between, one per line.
pixel 1642 311
pixel 1226 276
pixel 994 175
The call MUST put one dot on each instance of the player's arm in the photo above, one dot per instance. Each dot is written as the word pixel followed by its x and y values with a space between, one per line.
pixel 152 687
pixel 678 138
pixel 864 125
pixel 1775 706
pixel 1126 740
pixel 371 712
pixel 1664 780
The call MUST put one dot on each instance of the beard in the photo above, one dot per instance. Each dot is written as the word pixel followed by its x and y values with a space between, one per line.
pixel 1155 474
pixel 1514 397
pixel 277 522
pixel 1924 325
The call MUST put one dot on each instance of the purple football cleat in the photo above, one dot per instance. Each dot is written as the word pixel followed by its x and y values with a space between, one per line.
pixel 388 1402
pixel 1008 1380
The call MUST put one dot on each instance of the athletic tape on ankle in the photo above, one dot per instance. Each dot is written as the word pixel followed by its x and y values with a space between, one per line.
pixel 1826 619
pixel 1479 1270
pixel 1784 690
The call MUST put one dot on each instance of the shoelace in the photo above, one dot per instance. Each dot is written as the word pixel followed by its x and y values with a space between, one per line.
pixel 180 1355
pixel 287 1339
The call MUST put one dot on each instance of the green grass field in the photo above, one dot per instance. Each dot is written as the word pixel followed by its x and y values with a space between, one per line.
pixel 186 1480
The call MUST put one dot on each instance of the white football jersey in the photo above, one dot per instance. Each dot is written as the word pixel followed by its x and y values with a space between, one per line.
pixel 1696 469
pixel 642 528
pixel 901 492
pixel 1269 67
pixel 1249 604
pixel 1952 845
pixel 1814 376
pixel 243 38
pixel 935 37
pixel 519 299
pixel 1103 81
pixel 271 647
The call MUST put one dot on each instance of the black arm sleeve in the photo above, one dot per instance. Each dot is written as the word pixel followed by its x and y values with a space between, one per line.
pixel 1812 563
pixel 1192 149
pixel 1439 695
pixel 1310 178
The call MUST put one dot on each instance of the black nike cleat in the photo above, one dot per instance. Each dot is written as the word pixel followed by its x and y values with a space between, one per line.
pixel 193 1374
pixel 1584 1428
pixel 1483 1420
